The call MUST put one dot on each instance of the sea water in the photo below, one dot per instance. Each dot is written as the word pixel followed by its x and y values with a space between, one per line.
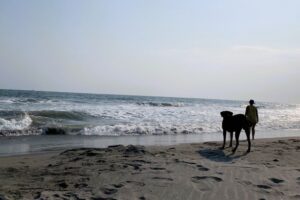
pixel 99 120
pixel 34 112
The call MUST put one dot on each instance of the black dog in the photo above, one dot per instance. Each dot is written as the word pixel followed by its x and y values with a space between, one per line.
pixel 235 123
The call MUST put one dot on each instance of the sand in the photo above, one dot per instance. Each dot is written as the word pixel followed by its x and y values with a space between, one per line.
pixel 185 171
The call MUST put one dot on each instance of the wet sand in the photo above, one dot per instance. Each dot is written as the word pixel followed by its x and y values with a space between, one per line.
pixel 35 144
pixel 184 171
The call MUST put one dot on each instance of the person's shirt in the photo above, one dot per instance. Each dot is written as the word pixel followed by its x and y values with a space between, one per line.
pixel 252 114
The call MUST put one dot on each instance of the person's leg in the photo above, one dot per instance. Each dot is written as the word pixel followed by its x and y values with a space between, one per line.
pixel 248 139
pixel 253 131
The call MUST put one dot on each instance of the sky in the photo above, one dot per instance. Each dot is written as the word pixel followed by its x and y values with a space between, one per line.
pixel 233 49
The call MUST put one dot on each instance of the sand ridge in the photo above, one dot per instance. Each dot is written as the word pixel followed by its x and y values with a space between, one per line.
pixel 186 171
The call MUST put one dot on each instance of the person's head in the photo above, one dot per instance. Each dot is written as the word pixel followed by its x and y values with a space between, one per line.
pixel 251 102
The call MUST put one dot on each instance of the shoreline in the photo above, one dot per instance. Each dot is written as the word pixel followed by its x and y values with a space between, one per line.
pixel 183 171
pixel 21 145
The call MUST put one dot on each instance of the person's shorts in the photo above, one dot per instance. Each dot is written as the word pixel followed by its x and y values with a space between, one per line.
pixel 251 123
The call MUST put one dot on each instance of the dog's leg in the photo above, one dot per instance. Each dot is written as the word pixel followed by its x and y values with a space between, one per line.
pixel 248 139
pixel 224 139
pixel 231 136
pixel 237 136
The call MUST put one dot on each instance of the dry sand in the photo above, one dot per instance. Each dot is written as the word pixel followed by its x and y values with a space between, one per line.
pixel 187 171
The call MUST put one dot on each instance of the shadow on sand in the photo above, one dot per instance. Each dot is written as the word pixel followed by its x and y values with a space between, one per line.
pixel 218 155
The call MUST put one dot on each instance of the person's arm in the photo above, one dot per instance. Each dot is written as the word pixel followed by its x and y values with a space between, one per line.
pixel 257 114
pixel 246 112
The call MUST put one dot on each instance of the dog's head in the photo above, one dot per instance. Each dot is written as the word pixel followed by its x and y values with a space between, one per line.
pixel 225 114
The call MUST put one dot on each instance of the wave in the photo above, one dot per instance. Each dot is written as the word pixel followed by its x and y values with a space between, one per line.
pixel 53 114
pixel 36 113
pixel 132 129
pixel 68 115
pixel 19 123
pixel 6 101
pixel 27 101
pixel 43 131
pixel 157 104
pixel 38 122
pixel 24 132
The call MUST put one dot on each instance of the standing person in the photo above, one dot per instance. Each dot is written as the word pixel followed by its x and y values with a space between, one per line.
pixel 252 116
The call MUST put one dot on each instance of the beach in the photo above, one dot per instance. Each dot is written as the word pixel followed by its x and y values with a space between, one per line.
pixel 182 171
pixel 94 146
pixel 133 100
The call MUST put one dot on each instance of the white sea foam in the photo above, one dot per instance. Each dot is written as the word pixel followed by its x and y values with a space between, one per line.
pixel 142 129
pixel 134 119
pixel 189 119
pixel 15 124
pixel 129 115
pixel 6 101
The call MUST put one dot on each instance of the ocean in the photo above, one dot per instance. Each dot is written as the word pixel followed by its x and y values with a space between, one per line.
pixel 41 113
pixel 85 117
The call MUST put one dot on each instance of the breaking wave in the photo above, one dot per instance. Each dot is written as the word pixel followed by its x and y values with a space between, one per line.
pixel 163 104
pixel 68 115
pixel 142 129
pixel 19 123
pixel 37 113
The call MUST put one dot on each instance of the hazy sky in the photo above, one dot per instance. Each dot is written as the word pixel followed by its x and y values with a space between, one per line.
pixel 207 49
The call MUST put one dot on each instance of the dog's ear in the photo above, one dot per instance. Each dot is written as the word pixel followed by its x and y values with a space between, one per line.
pixel 226 114
pixel 222 113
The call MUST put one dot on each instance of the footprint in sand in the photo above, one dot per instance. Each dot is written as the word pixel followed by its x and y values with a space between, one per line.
pixel 81 185
pixel 294 140
pixel 269 189
pixel 37 195
pixel 101 198
pixel 197 179
pixel 157 168
pixel 142 161
pixel 185 162
pixel 162 178
pixel 74 159
pixel 56 195
pixel 62 184
pixel 264 187
pixel 205 183
pixel 70 195
pixel 118 185
pixel 137 183
pixel 202 168
pixel 135 166
pixel 276 180
pixel 101 161
pixel 297 196
pixel 109 191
